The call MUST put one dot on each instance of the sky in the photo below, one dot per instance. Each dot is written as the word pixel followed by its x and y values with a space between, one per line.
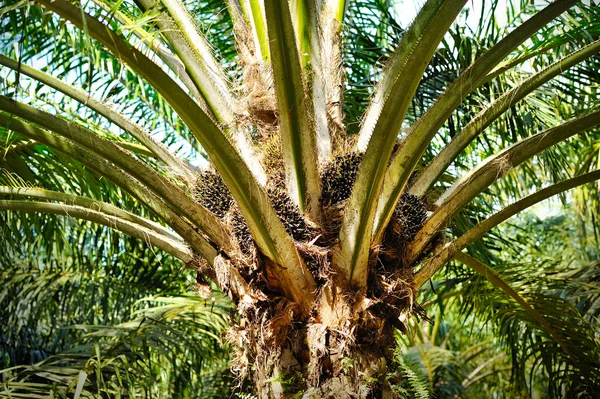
pixel 407 9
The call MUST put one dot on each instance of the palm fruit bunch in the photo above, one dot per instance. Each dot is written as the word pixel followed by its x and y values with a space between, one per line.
pixel 409 217
pixel 212 193
pixel 286 210
pixel 241 230
pixel 337 178
pixel 289 214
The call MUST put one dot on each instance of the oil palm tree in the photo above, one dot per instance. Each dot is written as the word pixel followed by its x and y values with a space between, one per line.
pixel 321 237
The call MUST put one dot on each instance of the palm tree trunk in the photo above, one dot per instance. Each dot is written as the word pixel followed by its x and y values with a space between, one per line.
pixel 342 351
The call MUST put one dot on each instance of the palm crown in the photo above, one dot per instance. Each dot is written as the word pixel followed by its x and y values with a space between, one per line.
pixel 322 233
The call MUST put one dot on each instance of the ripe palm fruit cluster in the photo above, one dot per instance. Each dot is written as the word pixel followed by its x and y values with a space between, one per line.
pixel 286 210
pixel 289 214
pixel 241 230
pixel 212 192
pixel 338 178
pixel 409 217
